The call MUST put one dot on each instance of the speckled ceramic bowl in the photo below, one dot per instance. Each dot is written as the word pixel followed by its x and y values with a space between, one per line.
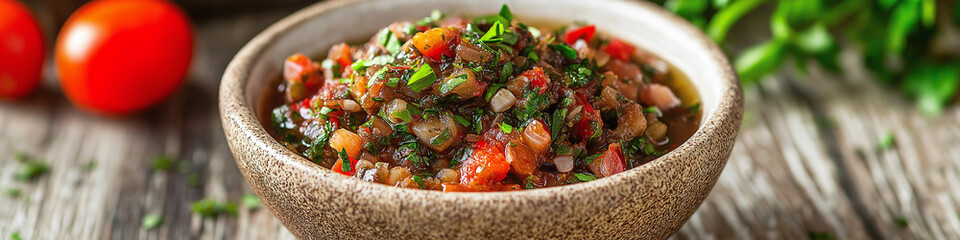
pixel 650 201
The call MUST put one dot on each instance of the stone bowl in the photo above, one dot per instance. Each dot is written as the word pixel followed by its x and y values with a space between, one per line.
pixel 651 201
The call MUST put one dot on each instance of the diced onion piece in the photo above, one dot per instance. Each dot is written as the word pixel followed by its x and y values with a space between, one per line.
pixel 502 101
pixel 661 96
pixel 564 163
pixel 442 130
pixel 447 175
pixel 350 106
pixel 536 136
pixel 632 123
pixel 394 108
pixel 517 84
pixel 657 131
pixel 608 99
pixel 602 58
pixel 344 139
pixel 397 174
pixel 583 50
pixel 467 89
pixel 522 160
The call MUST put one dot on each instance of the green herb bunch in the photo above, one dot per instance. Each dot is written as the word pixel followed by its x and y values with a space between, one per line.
pixel 894 37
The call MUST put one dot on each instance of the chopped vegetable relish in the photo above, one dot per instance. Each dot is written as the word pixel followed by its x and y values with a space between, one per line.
pixel 483 104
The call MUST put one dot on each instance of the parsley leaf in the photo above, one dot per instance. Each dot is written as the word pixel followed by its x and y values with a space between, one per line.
pixel 151 221
pixel 443 137
pixel 505 127
pixel 506 13
pixel 557 125
pixel 493 35
pixel 584 177
pixel 449 85
pixel 422 78
pixel 564 50
pixel 344 160
pixel 251 201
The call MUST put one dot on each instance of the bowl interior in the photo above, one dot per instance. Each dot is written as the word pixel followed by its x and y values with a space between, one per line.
pixel 648 29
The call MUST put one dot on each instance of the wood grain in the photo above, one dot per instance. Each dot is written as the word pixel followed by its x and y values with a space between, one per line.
pixel 806 161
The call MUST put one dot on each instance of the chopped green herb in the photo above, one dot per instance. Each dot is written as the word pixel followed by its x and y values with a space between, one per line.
pixel 392 82
pixel 584 177
pixel 163 163
pixel 449 85
pixel 405 116
pixel 389 41
pixel 376 76
pixel 886 142
pixel 506 71
pixel 695 108
pixel 344 160
pixel 511 39
pixel 13 192
pixel 478 121
pixel 557 125
pixel 820 235
pixel 529 186
pixel 21 157
pixel 506 13
pixel 419 181
pixel 31 170
pixel 460 120
pixel 89 166
pixel 564 50
pixel 491 90
pixel 380 60
pixel 505 127
pixel 208 208
pixel 494 34
pixel 590 158
pixel 566 102
pixel 151 221
pixel 16 236
pixel 422 78
pixel 324 111
pixel 651 109
pixel 533 56
pixel 443 137
pixel 901 222
pixel 251 201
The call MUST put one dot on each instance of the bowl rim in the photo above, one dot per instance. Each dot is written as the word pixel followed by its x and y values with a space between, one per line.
pixel 233 106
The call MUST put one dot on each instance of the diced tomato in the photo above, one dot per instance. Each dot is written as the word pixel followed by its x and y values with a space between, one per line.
pixel 538 80
pixel 338 166
pixel 585 33
pixel 436 42
pixel 486 166
pixel 584 128
pixel 341 54
pixel 299 68
pixel 619 49
pixel 609 163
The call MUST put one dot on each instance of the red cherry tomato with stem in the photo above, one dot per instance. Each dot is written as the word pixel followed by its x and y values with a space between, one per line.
pixel 121 56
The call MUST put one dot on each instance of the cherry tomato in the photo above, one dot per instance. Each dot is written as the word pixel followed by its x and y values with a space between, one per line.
pixel 585 32
pixel 21 50
pixel 619 49
pixel 120 56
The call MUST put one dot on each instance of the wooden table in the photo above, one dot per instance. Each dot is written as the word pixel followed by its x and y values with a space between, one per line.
pixel 806 162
